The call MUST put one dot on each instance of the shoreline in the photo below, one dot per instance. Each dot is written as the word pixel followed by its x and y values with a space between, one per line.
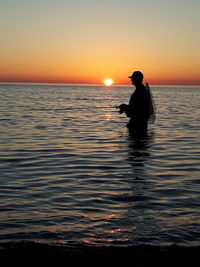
pixel 80 255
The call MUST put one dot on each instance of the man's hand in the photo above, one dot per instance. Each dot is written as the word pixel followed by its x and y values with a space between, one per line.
pixel 122 108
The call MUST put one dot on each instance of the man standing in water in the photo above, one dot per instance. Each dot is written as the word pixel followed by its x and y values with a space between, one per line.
pixel 140 109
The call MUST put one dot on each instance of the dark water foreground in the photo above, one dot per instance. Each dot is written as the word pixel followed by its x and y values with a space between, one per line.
pixel 141 255
pixel 78 190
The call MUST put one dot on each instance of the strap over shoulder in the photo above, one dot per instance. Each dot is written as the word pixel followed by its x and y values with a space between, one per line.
pixel 152 106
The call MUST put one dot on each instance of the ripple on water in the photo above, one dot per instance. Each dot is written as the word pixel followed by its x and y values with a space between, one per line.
pixel 76 175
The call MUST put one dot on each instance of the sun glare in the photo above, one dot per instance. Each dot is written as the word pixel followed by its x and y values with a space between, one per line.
pixel 108 82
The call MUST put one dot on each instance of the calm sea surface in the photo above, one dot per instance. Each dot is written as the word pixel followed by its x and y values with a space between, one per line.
pixel 71 173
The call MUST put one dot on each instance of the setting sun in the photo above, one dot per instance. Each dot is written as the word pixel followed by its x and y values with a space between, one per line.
pixel 108 82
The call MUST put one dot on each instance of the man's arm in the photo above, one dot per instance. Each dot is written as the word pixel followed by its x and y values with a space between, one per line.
pixel 122 108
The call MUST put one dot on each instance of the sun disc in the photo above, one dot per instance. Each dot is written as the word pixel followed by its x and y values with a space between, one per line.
pixel 108 82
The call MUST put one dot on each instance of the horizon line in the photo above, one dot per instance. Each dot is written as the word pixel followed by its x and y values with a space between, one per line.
pixel 92 84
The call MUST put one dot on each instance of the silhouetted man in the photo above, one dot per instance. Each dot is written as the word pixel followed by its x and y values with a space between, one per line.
pixel 140 107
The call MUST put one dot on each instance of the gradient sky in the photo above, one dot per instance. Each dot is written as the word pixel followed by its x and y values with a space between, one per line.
pixel 85 41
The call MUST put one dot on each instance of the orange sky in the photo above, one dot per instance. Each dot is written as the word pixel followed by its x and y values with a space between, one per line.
pixel 88 41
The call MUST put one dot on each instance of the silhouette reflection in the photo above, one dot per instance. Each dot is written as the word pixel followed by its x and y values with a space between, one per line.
pixel 138 148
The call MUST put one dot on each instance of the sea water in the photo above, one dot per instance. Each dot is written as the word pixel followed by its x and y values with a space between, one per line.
pixel 71 173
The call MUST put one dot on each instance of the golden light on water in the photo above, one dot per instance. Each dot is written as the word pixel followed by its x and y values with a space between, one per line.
pixel 108 81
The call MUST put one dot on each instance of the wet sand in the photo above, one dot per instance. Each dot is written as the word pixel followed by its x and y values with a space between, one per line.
pixel 142 255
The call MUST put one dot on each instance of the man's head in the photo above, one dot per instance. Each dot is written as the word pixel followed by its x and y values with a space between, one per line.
pixel 136 77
